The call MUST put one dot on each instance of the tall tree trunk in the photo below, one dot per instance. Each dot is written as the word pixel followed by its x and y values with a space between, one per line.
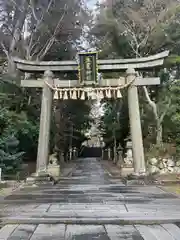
pixel 157 118
pixel 11 67
pixel 159 133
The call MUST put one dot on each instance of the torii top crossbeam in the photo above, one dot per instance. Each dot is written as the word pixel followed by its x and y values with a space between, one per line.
pixel 103 65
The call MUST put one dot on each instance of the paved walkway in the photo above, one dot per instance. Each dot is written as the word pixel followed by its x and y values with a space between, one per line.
pixel 105 208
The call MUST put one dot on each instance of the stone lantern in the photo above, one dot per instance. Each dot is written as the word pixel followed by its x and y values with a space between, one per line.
pixel 74 153
pixel 128 167
pixel 119 156
pixel 109 153
pixel 128 160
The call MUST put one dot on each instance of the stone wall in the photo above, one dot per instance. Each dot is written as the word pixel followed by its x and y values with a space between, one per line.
pixel 163 165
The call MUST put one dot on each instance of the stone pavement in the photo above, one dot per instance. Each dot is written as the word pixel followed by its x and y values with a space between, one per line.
pixel 88 232
pixel 90 205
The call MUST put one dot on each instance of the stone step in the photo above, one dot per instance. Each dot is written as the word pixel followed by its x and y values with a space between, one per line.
pixel 121 213
pixel 129 220
pixel 93 212
pixel 71 200
pixel 105 232
pixel 39 178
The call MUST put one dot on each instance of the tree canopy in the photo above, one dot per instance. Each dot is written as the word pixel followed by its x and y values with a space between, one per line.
pixel 37 30
pixel 126 29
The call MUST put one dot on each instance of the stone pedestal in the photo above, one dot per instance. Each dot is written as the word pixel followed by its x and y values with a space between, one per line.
pixel 127 170
pixel 39 177
pixel 54 170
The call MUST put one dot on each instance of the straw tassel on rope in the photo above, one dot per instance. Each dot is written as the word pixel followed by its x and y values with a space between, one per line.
pixel 83 95
pixel 92 93
pixel 101 95
pixel 93 96
pixel 56 93
pixel 119 95
pixel 60 94
pixel 74 94
pixel 65 97
pixel 108 93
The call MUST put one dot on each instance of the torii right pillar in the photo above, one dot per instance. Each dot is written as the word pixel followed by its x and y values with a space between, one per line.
pixel 135 125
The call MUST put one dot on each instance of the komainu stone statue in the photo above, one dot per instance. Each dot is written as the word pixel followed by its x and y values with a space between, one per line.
pixel 53 159
pixel 53 166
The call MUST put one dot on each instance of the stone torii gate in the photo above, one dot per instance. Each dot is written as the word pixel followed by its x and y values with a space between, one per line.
pixel 130 66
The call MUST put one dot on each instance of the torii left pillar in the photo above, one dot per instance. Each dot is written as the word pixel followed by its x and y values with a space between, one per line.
pixel 45 122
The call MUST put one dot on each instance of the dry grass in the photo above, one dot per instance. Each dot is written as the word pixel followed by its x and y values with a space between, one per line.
pixel 5 192
pixel 173 189
pixel 170 177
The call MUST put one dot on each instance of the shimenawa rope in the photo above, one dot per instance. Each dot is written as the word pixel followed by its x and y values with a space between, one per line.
pixel 80 92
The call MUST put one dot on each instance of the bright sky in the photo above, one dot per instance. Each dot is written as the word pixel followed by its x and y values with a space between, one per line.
pixel 91 3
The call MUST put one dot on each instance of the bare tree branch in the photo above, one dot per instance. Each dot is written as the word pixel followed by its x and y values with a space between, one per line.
pixel 145 39
pixel 51 40
pixel 33 50
pixel 5 49
pixel 32 5
pixel 134 43
pixel 16 5
pixel 165 111
pixel 154 107
pixel 38 24
pixel 18 27
pixel 151 103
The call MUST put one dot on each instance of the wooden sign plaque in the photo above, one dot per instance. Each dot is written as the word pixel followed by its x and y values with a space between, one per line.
pixel 88 70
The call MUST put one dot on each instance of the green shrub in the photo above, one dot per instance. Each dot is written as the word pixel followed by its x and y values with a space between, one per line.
pixel 10 158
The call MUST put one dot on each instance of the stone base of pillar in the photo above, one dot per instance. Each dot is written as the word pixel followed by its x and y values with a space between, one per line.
pixel 141 174
pixel 38 178
pixel 139 179
pixel 40 174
